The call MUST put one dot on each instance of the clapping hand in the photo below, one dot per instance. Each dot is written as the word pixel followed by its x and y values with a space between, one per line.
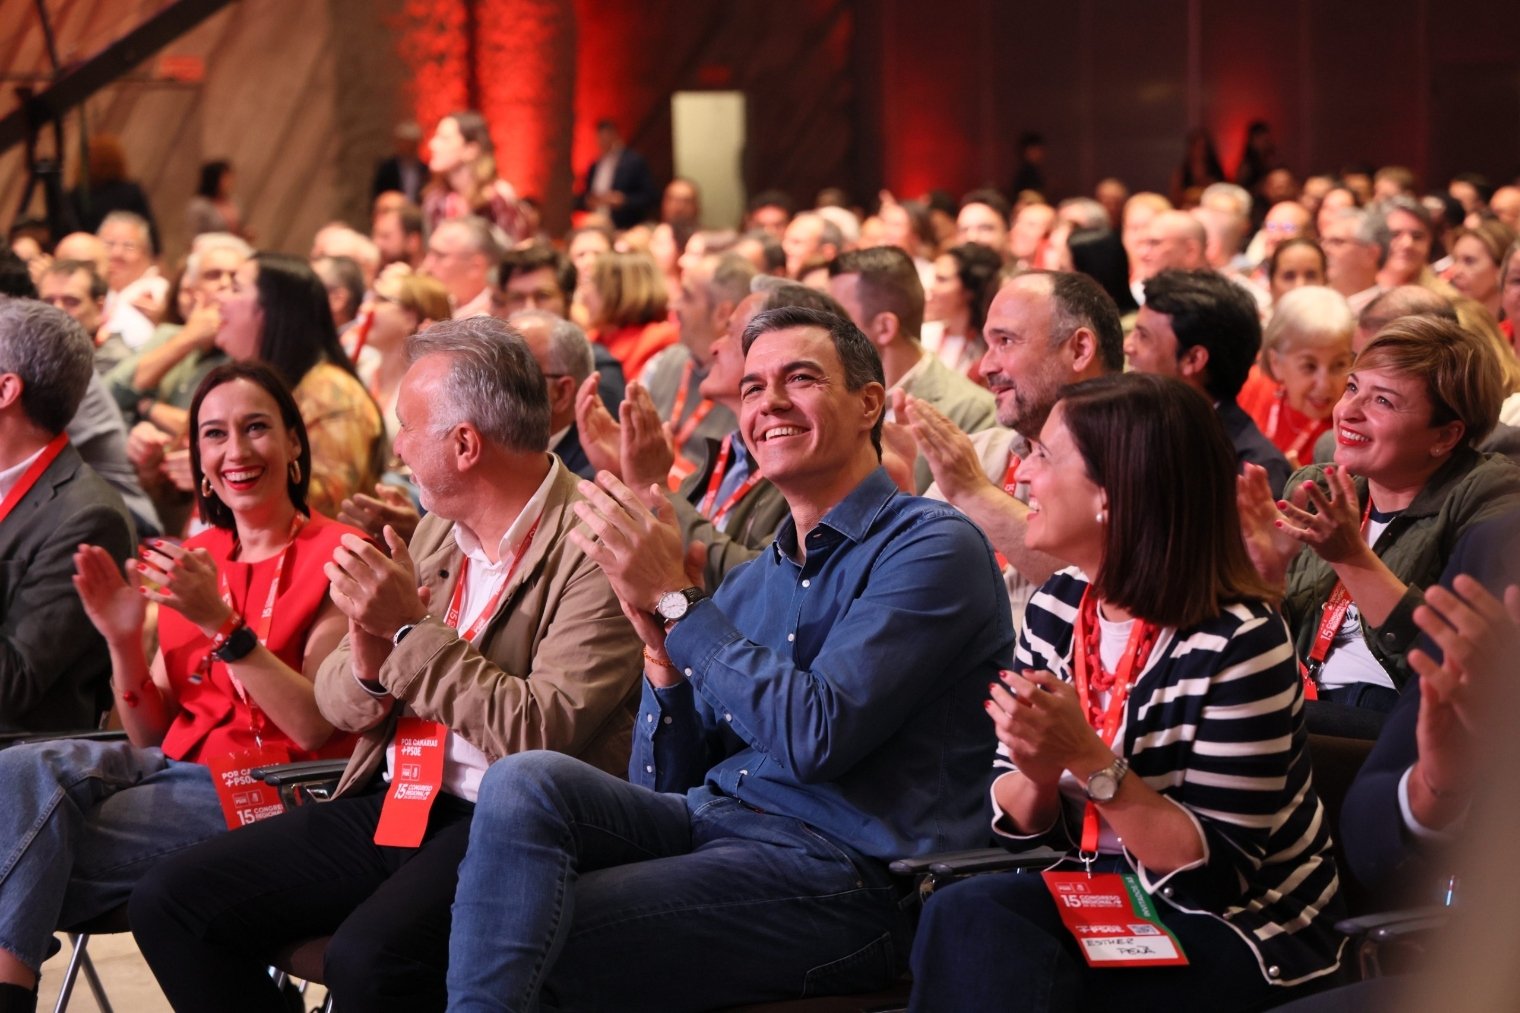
pixel 183 579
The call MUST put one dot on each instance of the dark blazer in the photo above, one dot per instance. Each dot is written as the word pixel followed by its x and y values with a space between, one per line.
pixel 1382 854
pixel 572 454
pixel 1252 447
pixel 54 668
pixel 389 176
pixel 631 178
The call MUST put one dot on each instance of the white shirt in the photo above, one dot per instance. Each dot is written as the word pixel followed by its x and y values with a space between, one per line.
pixel 10 476
pixel 463 764
pixel 606 169
pixel 127 320
pixel 1351 660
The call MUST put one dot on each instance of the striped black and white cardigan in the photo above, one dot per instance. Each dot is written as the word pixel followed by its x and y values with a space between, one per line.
pixel 1215 724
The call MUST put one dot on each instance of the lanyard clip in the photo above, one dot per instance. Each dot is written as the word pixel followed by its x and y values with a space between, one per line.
pixel 1087 858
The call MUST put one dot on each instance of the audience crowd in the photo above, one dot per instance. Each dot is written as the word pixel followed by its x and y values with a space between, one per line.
pixel 663 582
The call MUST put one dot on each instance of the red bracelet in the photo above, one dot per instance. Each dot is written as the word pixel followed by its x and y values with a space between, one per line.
pixel 656 659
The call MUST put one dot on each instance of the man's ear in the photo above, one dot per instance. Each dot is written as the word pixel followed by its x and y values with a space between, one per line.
pixel 1084 349
pixel 11 387
pixel 885 327
pixel 467 445
pixel 873 399
pixel 1194 363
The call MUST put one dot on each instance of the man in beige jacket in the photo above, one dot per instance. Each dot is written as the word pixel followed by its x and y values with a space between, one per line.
pixel 491 634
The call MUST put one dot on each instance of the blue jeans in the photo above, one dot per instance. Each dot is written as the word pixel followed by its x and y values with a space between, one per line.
pixel 81 822
pixel 580 891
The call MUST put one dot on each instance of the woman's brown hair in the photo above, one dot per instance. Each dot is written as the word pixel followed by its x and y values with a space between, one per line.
pixel 1173 553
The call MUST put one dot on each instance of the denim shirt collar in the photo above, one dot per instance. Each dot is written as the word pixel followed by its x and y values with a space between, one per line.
pixel 851 517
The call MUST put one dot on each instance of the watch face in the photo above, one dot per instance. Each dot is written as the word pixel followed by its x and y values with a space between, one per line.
pixel 672 605
pixel 1102 786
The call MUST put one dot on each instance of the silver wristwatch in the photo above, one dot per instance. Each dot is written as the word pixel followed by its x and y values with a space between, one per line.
pixel 1104 785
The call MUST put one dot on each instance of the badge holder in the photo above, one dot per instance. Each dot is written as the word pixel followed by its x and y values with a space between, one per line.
pixel 1114 922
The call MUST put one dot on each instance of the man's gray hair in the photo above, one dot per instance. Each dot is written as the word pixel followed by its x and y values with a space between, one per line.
pixel 731 277
pixel 51 354
pixel 481 236
pixel 1233 192
pixel 135 220
pixel 210 242
pixel 494 382
pixel 1371 229
pixel 570 350
pixel 1090 213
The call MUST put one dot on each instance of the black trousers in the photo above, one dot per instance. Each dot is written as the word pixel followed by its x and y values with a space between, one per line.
pixel 210 919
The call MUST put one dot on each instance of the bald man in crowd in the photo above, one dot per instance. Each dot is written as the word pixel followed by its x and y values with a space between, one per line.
pixel 810 239
pixel 461 253
pixel 1044 329
pixel 1175 240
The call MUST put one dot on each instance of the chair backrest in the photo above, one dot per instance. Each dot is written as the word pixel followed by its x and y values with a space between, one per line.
pixel 1335 761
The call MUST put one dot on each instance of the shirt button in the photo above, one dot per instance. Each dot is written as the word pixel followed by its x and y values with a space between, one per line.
pixel 806 582
pixel 744 773
pixel 1166 891
pixel 727 716
pixel 791 637
pixel 667 719
pixel 687 671
pixel 1274 971
pixel 649 768
pixel 648 717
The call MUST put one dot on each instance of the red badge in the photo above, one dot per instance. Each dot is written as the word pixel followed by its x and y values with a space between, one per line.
pixel 244 799
pixel 1113 920
pixel 416 780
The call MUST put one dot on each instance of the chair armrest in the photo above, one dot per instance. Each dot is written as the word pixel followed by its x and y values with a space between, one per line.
pixel 304 780
pixel 92 734
pixel 976 860
pixel 301 772
pixel 1385 926
pixel 1399 931
pixel 934 871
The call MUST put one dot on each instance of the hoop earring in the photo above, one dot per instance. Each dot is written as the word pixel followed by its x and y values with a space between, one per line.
pixel 295 472
pixel 206 488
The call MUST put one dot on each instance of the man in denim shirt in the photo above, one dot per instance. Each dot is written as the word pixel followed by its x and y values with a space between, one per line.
pixel 821 715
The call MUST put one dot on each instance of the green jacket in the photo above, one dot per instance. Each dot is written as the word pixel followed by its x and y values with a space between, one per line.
pixel 1469 488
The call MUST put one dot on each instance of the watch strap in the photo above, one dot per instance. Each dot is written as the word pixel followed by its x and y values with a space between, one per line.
pixel 237 645
pixel 1116 770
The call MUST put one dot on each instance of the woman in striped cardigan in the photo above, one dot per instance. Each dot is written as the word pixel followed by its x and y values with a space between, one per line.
pixel 1153 726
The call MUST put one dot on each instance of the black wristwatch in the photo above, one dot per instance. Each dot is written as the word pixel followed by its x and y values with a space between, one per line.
pixel 238 645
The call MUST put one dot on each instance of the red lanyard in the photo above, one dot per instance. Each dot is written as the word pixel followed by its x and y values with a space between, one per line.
pixel 1092 678
pixel 725 451
pixel 261 625
pixel 361 334
pixel 485 614
pixel 1294 451
pixel 33 472
pixel 1010 486
pixel 1334 613
pixel 1011 472
pixel 698 414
